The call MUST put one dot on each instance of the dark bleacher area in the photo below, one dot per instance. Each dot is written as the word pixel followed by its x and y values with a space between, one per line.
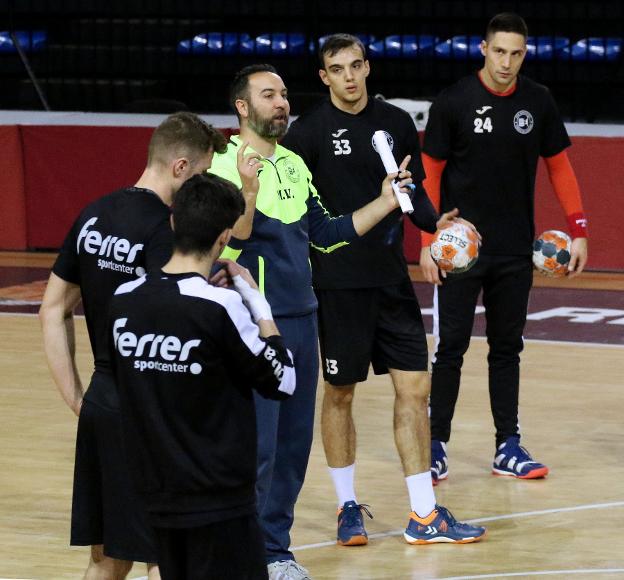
pixel 148 56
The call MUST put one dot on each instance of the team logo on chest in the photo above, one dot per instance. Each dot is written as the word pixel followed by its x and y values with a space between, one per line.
pixel 291 171
pixel 523 122
pixel 388 138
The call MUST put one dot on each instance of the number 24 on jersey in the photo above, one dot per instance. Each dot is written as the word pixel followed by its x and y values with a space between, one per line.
pixel 482 125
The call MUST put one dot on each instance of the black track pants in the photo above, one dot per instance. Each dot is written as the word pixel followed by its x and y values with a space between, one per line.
pixel 505 282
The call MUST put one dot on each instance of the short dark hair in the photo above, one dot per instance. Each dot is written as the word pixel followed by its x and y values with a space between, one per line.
pixel 184 134
pixel 239 89
pixel 203 207
pixel 506 22
pixel 335 43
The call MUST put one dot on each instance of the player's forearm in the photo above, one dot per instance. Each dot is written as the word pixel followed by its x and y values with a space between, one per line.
pixel 244 225
pixel 424 216
pixel 568 193
pixel 59 347
pixel 267 328
pixel 274 375
pixel 434 168
pixel 372 213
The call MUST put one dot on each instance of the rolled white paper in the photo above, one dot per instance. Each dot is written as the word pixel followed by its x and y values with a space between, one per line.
pixel 389 162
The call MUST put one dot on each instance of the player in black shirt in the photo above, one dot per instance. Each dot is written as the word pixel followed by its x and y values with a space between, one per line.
pixel 115 239
pixel 483 140
pixel 187 356
pixel 368 311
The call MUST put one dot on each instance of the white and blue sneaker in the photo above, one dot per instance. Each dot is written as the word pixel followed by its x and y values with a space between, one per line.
pixel 441 527
pixel 439 461
pixel 514 460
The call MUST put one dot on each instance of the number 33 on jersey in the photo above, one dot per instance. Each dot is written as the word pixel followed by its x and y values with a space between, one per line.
pixel 341 146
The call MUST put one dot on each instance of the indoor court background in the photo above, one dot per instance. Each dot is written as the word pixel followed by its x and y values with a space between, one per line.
pixel 120 57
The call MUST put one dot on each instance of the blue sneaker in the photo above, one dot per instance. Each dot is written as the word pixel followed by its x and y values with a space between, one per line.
pixel 439 461
pixel 441 527
pixel 514 460
pixel 351 530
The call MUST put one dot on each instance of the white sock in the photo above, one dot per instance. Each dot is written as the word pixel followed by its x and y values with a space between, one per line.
pixel 422 498
pixel 343 478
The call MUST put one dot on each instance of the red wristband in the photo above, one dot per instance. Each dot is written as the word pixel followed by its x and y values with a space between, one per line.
pixel 577 224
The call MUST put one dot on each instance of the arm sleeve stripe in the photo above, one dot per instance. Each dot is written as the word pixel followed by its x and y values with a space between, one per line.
pixel 289 379
pixel 433 170
pixel 329 249
pixel 233 305
pixel 130 286
pixel 568 192
pixel 231 253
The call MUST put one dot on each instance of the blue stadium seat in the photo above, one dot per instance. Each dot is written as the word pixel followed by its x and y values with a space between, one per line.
pixel 613 49
pixel 549 47
pixel 595 49
pixel 367 39
pixel 281 43
pixel 531 44
pixel 29 40
pixel 247 45
pixel 427 44
pixel 459 47
pixel 404 46
pixel 225 43
pixel 376 49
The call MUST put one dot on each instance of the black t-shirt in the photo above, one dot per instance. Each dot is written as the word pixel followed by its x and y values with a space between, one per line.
pixel 186 357
pixel 492 144
pixel 337 147
pixel 115 239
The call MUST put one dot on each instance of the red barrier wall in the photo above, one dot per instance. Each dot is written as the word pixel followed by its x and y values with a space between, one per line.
pixel 13 210
pixel 66 167
pixel 49 173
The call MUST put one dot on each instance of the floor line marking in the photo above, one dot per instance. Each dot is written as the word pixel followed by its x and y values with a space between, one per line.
pixel 556 342
pixel 535 573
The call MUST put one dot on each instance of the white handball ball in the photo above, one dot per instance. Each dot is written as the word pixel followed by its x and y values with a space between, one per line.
pixel 455 249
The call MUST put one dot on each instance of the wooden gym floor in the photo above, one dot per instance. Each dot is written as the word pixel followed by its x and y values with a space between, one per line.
pixel 566 526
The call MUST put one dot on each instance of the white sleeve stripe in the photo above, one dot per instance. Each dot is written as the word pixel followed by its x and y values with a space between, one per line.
pixel 288 382
pixel 127 287
pixel 233 305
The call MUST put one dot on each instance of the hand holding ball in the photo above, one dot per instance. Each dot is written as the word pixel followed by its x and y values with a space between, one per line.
pixel 455 249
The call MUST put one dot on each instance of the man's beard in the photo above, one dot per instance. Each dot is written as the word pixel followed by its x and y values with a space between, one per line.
pixel 266 128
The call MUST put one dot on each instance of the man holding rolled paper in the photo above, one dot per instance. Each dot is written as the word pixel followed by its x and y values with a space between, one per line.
pixel 283 216
pixel 368 312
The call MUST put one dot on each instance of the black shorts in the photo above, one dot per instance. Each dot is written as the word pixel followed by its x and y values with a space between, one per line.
pixel 232 549
pixel 382 326
pixel 105 508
